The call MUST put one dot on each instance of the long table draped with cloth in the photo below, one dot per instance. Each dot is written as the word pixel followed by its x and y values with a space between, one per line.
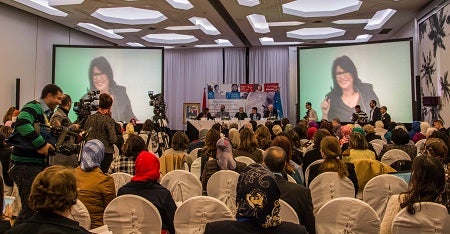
pixel 193 126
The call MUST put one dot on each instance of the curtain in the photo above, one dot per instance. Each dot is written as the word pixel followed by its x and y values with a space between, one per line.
pixel 186 74
pixel 234 65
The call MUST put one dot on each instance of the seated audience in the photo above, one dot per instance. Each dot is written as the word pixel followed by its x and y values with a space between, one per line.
pixel 336 124
pixel 423 130
pixel 53 193
pixel 263 137
pixel 125 162
pixel 436 148
pixel 200 142
pixel 145 184
pixel 175 157
pixel 209 151
pixel 257 201
pixel 314 154
pixel 248 146
pixel 359 148
pixel 331 152
pixel 297 196
pixel 346 131
pixel 379 129
pixel 400 140
pixel 390 127
pixel 370 135
pixel 148 133
pixel 427 184
pixel 297 154
pixel 223 161
pixel 415 128
pixel 129 130
pixel 95 189
pixel 291 168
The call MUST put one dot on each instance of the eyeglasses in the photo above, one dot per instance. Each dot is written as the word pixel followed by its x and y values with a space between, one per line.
pixel 341 73
pixel 97 74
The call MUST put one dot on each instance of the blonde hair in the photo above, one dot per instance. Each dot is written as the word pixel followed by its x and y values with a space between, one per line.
pixel 248 140
pixel 233 135
pixel 330 147
pixel 379 124
pixel 129 129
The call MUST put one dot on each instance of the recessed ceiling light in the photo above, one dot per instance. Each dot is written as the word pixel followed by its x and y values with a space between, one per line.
pixel 320 8
pixel 129 15
pixel 105 32
pixel 64 2
pixel 43 6
pixel 219 43
pixel 135 44
pixel 204 25
pixel 266 40
pixel 249 3
pixel 180 4
pixel 359 39
pixel 182 28
pixel 126 30
pixel 351 21
pixel 379 19
pixel 286 23
pixel 258 23
pixel 169 38
pixel 315 33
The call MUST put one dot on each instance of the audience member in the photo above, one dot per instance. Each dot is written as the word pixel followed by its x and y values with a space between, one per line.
pixel 276 129
pixel 297 154
pixel 436 147
pixel 359 148
pixel 423 130
pixel 369 131
pixel 248 146
pixel 209 151
pixel 336 124
pixel 291 168
pixel 439 125
pixel 379 129
pixel 400 140
pixel 125 162
pixel 175 157
pixel 314 154
pixel 200 142
pixel 234 137
pixel 263 137
pixel 8 115
pixel 415 128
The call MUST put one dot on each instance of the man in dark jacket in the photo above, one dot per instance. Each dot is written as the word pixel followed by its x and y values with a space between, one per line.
pixel 374 113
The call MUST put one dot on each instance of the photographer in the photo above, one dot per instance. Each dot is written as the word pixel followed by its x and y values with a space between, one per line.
pixel 27 163
pixel 102 127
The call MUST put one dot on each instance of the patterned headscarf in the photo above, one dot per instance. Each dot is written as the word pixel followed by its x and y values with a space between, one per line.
pixel 92 155
pixel 146 167
pixel 224 154
pixel 258 196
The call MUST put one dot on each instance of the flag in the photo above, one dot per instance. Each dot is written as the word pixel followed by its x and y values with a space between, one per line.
pixel 204 99
pixel 277 104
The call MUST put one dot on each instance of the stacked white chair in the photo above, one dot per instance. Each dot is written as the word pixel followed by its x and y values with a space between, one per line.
pixel 182 185
pixel 394 155
pixel 120 179
pixel 429 217
pixel 193 215
pixel 196 167
pixel 308 169
pixel 80 213
pixel 328 186
pixel 380 188
pixel 347 215
pixel 222 185
pixel 132 214
pixel 287 213
pixel 245 159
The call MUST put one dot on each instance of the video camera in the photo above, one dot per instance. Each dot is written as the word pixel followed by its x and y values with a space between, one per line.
pixel 159 106
pixel 85 106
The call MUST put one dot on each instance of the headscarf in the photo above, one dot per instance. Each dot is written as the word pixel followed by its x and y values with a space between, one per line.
pixel 92 155
pixel 311 132
pixel 146 167
pixel 258 196
pixel 360 130
pixel 346 131
pixel 202 134
pixel 224 154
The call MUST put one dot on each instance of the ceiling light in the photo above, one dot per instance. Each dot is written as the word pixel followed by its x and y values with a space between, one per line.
pixel 249 3
pixel 320 8
pixel 266 40
pixel 43 6
pixel 180 4
pixel 315 33
pixel 259 23
pixel 129 15
pixel 351 21
pixel 64 2
pixel 286 23
pixel 182 28
pixel 379 19
pixel 219 43
pixel 105 32
pixel 359 39
pixel 126 30
pixel 135 44
pixel 204 25
pixel 169 38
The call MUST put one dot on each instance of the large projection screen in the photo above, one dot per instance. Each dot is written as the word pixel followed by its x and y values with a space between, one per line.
pixel 384 69
pixel 135 72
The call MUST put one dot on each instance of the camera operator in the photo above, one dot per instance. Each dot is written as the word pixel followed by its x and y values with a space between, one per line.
pixel 61 119
pixel 102 127
pixel 26 163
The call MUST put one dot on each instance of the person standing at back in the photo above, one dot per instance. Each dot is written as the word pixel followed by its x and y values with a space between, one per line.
pixel 26 163
pixel 101 126
pixel 374 113
pixel 311 114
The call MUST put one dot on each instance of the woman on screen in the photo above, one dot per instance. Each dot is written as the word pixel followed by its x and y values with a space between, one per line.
pixel 101 78
pixel 348 91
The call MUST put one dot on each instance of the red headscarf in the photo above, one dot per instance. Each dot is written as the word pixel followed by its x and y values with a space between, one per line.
pixel 146 168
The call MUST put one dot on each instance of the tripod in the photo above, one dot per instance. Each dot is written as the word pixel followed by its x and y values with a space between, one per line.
pixel 162 136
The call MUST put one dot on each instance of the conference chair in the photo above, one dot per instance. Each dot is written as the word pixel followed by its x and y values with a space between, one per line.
pixel 182 185
pixel 196 167
pixel 308 169
pixel 222 185
pixel 377 147
pixel 394 155
pixel 287 213
pixel 366 169
pixel 80 213
pixel 419 145
pixel 245 159
pixel 120 179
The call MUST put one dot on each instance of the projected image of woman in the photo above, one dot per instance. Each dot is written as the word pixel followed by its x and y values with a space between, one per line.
pixel 347 92
pixel 101 78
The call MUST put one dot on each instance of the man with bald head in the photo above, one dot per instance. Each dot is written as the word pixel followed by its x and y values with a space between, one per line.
pixel 270 113
pixel 297 196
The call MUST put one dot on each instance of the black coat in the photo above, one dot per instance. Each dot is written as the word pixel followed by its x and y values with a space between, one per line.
pixel 158 196
pixel 376 115
pixel 248 227
pixel 43 223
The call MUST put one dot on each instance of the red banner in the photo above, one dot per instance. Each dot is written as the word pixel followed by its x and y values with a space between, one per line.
pixel 270 87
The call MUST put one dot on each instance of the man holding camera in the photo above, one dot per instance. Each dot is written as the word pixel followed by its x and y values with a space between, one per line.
pixel 101 126
pixel 26 163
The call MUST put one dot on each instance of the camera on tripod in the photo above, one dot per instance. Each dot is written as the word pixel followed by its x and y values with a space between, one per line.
pixel 159 106
pixel 85 106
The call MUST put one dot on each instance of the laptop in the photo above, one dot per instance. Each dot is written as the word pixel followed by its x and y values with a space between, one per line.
pixel 404 175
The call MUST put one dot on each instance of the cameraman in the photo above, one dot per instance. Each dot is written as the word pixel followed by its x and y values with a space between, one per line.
pixel 60 119
pixel 102 127
pixel 25 163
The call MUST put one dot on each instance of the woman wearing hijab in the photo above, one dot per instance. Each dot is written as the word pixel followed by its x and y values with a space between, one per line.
pixel 224 161
pixel 145 184
pixel 258 206
pixel 95 189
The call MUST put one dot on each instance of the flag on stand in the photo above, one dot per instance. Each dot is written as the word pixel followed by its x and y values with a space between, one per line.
pixel 204 99
pixel 277 103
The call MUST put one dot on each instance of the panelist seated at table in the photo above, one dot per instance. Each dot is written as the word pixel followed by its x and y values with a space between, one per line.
pixel 241 115
pixel 255 115
pixel 204 114
pixel 222 113
pixel 271 113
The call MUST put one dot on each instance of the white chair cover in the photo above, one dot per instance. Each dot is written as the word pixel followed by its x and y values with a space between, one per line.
pixel 193 155
pixel 328 186
pixel 291 179
pixel 308 169
pixel 245 159
pixel 80 213
pixel 420 144
pixel 196 167
pixel 347 215
pixel 120 179
pixel 222 185
pixel 380 188
pixel 394 155
pixel 378 141
pixel 377 147
pixel 287 213
pixel 182 185
pixel 132 214
pixel 192 216
pixel 430 218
